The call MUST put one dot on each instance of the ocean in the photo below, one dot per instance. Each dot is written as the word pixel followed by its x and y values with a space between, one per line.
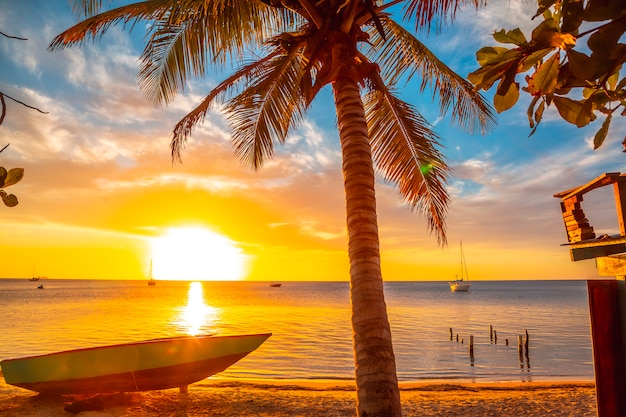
pixel 310 323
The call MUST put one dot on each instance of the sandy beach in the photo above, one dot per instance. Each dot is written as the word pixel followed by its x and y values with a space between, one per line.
pixel 216 397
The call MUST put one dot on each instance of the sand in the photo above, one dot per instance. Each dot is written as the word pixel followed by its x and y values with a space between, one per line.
pixel 216 397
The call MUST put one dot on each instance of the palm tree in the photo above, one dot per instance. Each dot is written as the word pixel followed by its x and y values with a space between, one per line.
pixel 357 48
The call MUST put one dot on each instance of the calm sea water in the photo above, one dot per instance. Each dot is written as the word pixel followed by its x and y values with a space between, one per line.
pixel 310 322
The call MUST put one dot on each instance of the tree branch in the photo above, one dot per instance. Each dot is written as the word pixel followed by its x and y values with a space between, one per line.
pixel 13 37
pixel 17 101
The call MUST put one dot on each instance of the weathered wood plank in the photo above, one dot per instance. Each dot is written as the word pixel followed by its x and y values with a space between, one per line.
pixel 601 181
pixel 590 252
pixel 611 266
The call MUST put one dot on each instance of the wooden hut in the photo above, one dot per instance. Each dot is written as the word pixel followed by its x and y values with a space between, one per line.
pixel 607 298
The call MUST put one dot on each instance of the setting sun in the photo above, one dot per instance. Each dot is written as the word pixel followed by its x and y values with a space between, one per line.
pixel 196 253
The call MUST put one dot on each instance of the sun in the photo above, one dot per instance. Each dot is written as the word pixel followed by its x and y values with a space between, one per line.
pixel 196 254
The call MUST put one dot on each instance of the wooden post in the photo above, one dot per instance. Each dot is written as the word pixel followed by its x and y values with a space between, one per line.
pixel 526 351
pixel 450 333
pixel 619 190
pixel 526 342
pixel 520 350
pixel 495 337
pixel 606 305
pixel 471 350
pixel 491 333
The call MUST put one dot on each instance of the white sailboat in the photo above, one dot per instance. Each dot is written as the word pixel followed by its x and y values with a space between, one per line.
pixel 151 280
pixel 462 284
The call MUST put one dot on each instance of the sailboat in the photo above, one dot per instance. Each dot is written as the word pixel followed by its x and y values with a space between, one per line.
pixel 34 278
pixel 462 284
pixel 151 280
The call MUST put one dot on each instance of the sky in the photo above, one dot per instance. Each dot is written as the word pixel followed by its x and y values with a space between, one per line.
pixel 101 198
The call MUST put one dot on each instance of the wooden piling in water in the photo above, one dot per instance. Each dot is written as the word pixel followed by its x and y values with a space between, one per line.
pixel 491 333
pixel 526 343
pixel 526 351
pixel 471 350
pixel 450 333
pixel 495 337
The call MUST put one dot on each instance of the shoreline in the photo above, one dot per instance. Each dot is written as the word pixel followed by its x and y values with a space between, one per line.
pixel 316 398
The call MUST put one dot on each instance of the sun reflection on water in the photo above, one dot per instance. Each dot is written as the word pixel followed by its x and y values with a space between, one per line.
pixel 197 316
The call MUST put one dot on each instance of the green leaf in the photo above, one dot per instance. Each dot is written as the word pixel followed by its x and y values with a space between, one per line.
pixel 530 110
pixel 490 55
pixel 600 136
pixel 508 99
pixel 612 81
pixel 539 112
pixel 14 176
pixel 581 65
pixel 585 116
pixel 543 81
pixel 538 116
pixel 10 200
pixel 600 10
pixel 514 36
pixel 605 39
pixel 568 108
pixel 543 33
pixel 533 58
pixel 483 78
pixel 572 12
pixel 543 6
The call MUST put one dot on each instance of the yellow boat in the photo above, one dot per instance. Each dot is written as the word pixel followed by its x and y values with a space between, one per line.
pixel 139 366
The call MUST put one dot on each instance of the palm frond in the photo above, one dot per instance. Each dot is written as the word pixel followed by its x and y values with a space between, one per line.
pixel 96 26
pixel 86 8
pixel 184 44
pixel 425 12
pixel 404 149
pixel 401 54
pixel 171 54
pixel 185 126
pixel 268 108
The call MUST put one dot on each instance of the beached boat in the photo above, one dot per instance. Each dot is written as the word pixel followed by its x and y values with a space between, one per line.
pixel 140 366
pixel 462 284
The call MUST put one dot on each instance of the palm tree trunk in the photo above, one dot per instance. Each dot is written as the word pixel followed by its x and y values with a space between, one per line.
pixel 375 366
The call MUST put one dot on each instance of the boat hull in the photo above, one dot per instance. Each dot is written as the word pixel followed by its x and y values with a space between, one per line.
pixel 459 286
pixel 141 366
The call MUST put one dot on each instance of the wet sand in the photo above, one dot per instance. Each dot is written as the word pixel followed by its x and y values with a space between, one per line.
pixel 269 398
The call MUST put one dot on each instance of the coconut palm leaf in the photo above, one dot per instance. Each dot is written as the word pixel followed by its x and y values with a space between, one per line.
pixel 268 108
pixel 185 126
pixel 425 12
pixel 230 26
pixel 400 54
pixel 95 27
pixel 87 8
pixel 404 148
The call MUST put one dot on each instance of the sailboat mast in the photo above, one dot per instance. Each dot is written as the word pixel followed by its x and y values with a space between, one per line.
pixel 464 273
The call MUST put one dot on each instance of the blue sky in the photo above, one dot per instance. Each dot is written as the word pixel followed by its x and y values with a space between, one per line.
pixel 96 163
